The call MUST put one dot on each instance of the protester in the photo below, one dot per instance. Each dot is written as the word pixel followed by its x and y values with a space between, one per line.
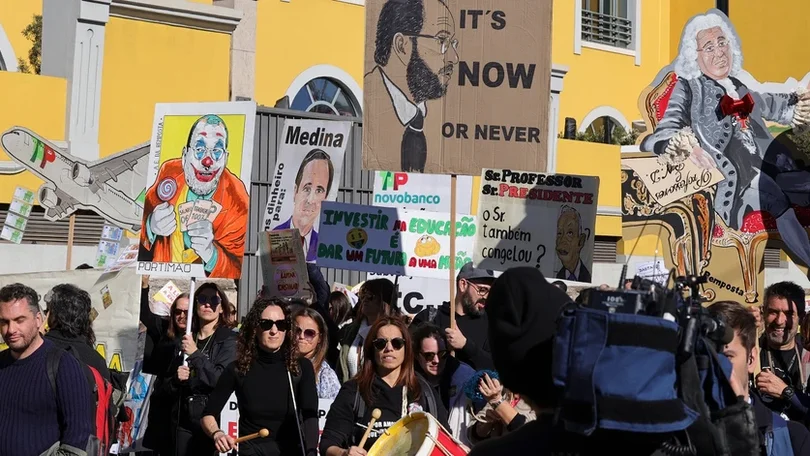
pixel 267 366
pixel 233 320
pixel 387 381
pixel 210 349
pixel 36 420
pixel 446 376
pixel 560 284
pixel 375 300
pixel 778 436
pixel 339 308
pixel 499 413
pixel 313 342
pixel 783 374
pixel 469 338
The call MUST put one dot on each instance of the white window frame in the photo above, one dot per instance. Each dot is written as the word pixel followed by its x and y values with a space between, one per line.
pixel 633 11
pixel 7 55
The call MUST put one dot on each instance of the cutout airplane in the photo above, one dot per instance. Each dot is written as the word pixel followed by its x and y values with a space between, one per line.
pixel 113 187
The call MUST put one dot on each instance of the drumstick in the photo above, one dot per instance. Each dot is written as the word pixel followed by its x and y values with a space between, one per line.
pixel 261 433
pixel 375 415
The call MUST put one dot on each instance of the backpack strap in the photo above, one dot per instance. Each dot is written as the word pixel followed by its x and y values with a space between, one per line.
pixel 429 397
pixel 359 409
pixel 52 366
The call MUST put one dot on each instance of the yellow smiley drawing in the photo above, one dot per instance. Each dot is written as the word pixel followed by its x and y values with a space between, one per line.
pixel 427 246
pixel 357 238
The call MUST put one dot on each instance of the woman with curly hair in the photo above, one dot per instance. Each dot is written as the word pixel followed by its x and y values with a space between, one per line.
pixel 271 381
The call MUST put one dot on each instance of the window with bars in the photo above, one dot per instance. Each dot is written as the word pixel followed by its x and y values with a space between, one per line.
pixel 608 22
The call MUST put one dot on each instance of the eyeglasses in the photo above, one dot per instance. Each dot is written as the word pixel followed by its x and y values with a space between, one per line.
pixel 397 343
pixel 710 48
pixel 481 290
pixel 446 42
pixel 210 300
pixel 308 334
pixel 199 152
pixel 267 325
pixel 430 356
pixel 179 312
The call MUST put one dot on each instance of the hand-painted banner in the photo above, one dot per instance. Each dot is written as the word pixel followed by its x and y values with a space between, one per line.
pixel 195 213
pixel 283 266
pixel 539 220
pixel 391 241
pixel 308 171
pixel 115 307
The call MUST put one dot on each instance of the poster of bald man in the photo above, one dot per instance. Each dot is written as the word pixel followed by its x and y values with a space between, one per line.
pixel 195 213
pixel 308 172
pixel 450 85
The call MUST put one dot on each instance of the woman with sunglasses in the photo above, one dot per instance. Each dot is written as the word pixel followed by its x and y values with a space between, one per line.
pixel 387 382
pixel 313 343
pixel 446 376
pixel 374 300
pixel 271 380
pixel 210 348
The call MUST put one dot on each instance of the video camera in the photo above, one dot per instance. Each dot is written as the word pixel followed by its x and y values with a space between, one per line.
pixel 647 360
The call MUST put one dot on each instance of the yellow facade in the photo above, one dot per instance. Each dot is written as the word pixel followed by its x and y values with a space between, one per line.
pixel 295 36
pixel 15 15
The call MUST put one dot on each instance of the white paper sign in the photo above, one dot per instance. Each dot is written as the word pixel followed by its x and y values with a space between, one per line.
pixel 537 220
pixel 425 192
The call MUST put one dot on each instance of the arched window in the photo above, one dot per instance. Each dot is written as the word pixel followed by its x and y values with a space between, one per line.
pixel 326 96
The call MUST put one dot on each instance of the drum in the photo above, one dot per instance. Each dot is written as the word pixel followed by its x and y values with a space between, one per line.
pixel 418 434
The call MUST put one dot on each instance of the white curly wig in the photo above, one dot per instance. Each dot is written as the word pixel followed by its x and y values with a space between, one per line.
pixel 686 65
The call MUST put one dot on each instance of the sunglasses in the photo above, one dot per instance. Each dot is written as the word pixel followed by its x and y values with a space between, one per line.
pixel 430 356
pixel 266 325
pixel 179 312
pixel 212 301
pixel 309 334
pixel 381 343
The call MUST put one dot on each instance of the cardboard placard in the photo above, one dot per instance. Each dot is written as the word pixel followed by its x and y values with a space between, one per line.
pixel 450 86
pixel 539 220
pixel 308 171
pixel 201 155
pixel 284 269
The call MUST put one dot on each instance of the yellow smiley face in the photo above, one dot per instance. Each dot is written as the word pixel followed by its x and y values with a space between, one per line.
pixel 356 238
pixel 427 246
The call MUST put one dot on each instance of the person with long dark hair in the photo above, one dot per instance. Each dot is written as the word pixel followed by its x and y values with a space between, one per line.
pixel 387 381
pixel 313 343
pixel 375 300
pixel 271 381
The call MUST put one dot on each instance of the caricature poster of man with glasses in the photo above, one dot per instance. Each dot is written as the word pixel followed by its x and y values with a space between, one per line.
pixel 196 203
pixel 446 85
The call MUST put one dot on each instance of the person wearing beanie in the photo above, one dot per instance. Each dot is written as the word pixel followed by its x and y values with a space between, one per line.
pixel 783 372
pixel 469 338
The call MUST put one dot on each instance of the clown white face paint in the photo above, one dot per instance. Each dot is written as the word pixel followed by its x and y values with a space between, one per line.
pixel 205 157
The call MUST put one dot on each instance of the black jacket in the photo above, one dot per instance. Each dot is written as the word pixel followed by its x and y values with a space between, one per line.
pixel 476 352
pixel 81 349
pixel 799 435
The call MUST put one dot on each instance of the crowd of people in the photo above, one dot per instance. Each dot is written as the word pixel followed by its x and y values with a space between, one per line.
pixel 486 379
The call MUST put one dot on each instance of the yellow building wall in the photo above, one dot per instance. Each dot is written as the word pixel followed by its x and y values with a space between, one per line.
pixel 593 159
pixel 600 78
pixel 294 36
pixel 35 102
pixel 15 15
pixel 680 12
pixel 147 63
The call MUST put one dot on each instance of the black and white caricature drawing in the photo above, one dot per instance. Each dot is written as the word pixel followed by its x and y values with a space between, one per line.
pixel 415 55
pixel 716 117
pixel 571 239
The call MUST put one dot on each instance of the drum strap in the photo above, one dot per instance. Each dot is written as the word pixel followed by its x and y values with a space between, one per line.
pixel 404 401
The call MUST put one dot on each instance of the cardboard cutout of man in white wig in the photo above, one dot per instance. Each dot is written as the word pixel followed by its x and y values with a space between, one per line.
pixel 714 120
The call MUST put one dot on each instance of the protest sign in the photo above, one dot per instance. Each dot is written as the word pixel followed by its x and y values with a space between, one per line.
pixel 116 321
pixel 416 294
pixel 283 267
pixel 308 171
pixel 195 213
pixel 390 241
pixel 653 270
pixel 447 85
pixel 425 192
pixel 538 220
pixel 229 419
pixel 668 183
pixel 136 404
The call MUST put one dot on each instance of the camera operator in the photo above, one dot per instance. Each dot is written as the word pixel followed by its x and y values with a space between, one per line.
pixel 776 434
pixel 783 377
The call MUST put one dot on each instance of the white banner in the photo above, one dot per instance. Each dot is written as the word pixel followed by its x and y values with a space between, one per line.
pixel 229 419
pixel 421 192
pixel 537 220
pixel 418 293
pixel 308 172
pixel 115 307
pixel 391 241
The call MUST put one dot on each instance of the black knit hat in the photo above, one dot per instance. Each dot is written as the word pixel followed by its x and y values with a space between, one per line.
pixel 522 310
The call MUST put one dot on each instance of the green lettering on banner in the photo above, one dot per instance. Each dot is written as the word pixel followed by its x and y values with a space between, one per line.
pixel 464 227
pixel 461 260
pixel 378 221
pixel 330 251
pixel 386 257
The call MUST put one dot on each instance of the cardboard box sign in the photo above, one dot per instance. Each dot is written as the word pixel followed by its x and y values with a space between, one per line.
pixel 451 85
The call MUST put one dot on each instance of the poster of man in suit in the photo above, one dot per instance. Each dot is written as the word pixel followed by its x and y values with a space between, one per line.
pixel 308 172
pixel 196 205
pixel 714 115
pixel 446 82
